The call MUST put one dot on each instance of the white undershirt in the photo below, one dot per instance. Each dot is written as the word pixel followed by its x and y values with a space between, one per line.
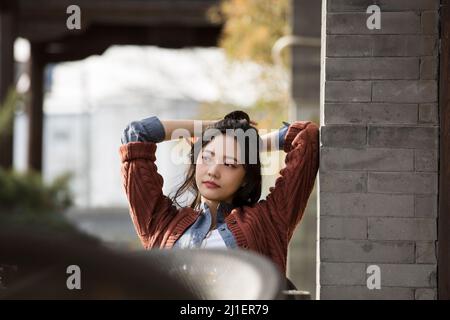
pixel 213 240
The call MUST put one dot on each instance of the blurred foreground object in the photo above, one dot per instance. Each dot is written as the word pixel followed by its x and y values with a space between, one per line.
pixel 35 267
pixel 221 274
pixel 37 263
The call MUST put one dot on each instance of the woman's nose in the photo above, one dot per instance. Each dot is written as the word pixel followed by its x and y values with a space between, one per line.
pixel 213 170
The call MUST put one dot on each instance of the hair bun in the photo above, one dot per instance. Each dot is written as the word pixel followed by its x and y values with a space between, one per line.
pixel 238 115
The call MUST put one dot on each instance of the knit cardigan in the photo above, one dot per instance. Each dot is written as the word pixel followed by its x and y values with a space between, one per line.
pixel 265 227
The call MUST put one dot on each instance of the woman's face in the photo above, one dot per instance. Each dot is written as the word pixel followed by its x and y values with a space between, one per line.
pixel 219 163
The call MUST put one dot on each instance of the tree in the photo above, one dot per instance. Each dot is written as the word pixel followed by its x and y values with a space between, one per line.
pixel 251 28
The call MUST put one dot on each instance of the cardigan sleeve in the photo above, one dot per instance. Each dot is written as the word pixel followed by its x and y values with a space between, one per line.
pixel 287 200
pixel 150 210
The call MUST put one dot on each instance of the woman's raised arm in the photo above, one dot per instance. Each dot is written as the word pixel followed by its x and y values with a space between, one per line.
pixel 150 209
pixel 191 125
pixel 287 200
pixel 156 130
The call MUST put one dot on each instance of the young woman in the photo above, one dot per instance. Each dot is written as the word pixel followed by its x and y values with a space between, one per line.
pixel 225 179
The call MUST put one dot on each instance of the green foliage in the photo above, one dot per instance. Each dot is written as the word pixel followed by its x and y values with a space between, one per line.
pixel 251 27
pixel 24 197
pixel 7 112
pixel 26 192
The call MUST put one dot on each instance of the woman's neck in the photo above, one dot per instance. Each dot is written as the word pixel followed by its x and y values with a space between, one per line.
pixel 213 205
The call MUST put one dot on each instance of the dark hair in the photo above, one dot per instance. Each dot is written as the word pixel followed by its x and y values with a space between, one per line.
pixel 250 192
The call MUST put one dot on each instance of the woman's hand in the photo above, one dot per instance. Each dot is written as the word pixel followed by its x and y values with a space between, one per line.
pixel 205 124
pixel 253 123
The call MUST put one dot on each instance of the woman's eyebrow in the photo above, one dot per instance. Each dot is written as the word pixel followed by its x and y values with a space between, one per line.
pixel 213 153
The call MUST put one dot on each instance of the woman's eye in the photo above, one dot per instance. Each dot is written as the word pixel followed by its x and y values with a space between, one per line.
pixel 208 159
pixel 231 165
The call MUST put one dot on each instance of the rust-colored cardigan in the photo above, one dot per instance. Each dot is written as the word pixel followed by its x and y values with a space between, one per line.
pixel 265 227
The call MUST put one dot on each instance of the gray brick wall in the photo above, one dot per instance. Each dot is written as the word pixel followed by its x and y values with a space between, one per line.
pixel 379 149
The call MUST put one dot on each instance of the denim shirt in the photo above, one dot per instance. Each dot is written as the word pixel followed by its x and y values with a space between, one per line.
pixel 146 130
pixel 196 233
pixel 152 130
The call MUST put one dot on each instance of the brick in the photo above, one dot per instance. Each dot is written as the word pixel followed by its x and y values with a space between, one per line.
pixel 428 113
pixel 363 293
pixel 344 113
pixel 366 205
pixel 366 251
pixel 362 113
pixel 343 228
pixel 426 160
pixel 401 229
pixel 356 23
pixel 426 252
pixel 343 135
pixel 407 45
pixel 404 91
pixel 430 22
pixel 390 182
pixel 349 46
pixel 342 273
pixel 348 91
pixel 425 205
pixel 372 68
pixel 343 181
pixel 381 45
pixel 429 68
pixel 385 5
pixel 408 275
pixel 381 159
pixel 403 137
pixel 425 294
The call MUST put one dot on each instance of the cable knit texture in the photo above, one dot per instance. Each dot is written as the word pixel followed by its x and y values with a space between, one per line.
pixel 265 227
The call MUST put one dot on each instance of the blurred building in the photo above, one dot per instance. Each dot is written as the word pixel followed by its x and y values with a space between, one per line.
pixel 89 103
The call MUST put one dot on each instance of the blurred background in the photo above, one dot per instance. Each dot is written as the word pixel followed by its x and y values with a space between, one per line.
pixel 71 79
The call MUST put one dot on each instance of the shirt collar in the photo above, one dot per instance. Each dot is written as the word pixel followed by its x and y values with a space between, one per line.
pixel 224 207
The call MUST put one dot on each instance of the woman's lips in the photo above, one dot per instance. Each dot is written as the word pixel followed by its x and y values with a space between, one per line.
pixel 210 185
